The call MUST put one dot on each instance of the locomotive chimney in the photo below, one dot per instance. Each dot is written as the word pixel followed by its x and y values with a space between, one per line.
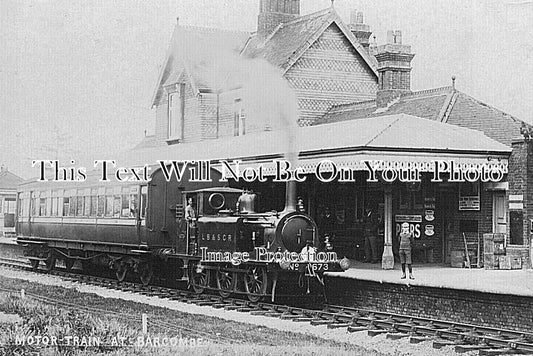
pixel 290 197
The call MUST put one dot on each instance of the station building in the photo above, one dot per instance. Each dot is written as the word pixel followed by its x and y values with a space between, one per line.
pixel 218 97
pixel 8 200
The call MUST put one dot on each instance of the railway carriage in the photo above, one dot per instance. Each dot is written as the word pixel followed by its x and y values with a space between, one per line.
pixel 142 229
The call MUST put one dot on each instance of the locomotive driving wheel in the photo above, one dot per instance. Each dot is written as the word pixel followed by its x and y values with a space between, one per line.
pixel 198 277
pixel 255 283
pixel 225 282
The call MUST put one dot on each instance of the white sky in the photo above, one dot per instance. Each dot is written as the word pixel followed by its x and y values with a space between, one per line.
pixel 84 70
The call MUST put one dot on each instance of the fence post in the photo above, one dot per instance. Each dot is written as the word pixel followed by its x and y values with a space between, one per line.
pixel 144 319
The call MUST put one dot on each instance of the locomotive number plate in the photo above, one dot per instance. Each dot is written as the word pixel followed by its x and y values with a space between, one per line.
pixel 295 266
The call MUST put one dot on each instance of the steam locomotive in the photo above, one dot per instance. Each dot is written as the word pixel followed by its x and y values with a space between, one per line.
pixel 210 236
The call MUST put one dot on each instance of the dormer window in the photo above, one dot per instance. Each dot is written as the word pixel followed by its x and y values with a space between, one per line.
pixel 239 120
pixel 176 113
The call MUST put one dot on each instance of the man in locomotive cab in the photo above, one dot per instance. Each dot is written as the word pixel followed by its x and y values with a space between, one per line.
pixel 190 217
pixel 246 202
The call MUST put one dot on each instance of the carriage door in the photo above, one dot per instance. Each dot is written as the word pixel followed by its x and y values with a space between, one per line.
pixel 499 213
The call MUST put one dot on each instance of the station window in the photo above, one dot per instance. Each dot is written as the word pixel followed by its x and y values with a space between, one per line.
pixel 239 120
pixel 175 112
pixel 9 206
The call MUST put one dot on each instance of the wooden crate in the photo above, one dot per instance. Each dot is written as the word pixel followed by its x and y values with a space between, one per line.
pixel 505 262
pixel 516 262
pixel 457 258
pixel 490 261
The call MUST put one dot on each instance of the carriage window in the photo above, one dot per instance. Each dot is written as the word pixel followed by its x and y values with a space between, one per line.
pixel 133 205
pixel 93 202
pixel 94 205
pixel 109 205
pixel 79 210
pixel 42 207
pixel 87 205
pixel 34 207
pixel 101 205
pixel 66 206
pixel 144 191
pixel 54 207
pixel 125 207
pixel 116 206
pixel 73 205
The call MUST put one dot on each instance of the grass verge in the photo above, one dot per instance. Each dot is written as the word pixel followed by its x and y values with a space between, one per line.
pixel 94 325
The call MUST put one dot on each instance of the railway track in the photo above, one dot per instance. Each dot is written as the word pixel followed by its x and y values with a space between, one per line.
pixel 463 337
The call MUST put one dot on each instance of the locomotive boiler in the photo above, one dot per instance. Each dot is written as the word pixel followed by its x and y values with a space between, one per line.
pixel 211 236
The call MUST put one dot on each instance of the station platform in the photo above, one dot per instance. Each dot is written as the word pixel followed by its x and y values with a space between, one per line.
pixel 508 282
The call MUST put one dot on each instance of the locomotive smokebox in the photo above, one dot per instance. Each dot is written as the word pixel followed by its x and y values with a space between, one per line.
pixel 290 197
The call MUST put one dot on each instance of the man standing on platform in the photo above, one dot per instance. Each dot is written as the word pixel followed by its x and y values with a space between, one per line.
pixel 406 238
pixel 371 236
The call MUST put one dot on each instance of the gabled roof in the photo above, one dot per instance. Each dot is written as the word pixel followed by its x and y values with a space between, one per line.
pixel 207 57
pixel 9 180
pixel 195 52
pixel 441 104
pixel 291 39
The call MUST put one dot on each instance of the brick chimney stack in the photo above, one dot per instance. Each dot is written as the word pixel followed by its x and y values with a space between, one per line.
pixel 274 12
pixel 359 29
pixel 394 68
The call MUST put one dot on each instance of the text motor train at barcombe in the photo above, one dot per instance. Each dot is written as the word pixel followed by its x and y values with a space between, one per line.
pixel 211 236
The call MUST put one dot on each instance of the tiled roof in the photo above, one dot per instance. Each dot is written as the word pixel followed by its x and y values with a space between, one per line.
pixel 210 57
pixel 289 40
pixel 9 180
pixel 402 134
pixel 426 104
pixel 440 104
pixel 149 141
pixel 199 53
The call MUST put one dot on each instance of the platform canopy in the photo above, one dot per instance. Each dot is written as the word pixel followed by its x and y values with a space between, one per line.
pixel 396 140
